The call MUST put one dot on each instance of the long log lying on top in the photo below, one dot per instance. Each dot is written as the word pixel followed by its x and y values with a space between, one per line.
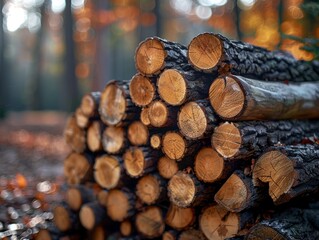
pixel 209 52
pixel 290 171
pixel 240 98
pixel 154 54
pixel 246 139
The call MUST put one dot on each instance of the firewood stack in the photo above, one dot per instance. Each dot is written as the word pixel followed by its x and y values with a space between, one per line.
pixel 204 142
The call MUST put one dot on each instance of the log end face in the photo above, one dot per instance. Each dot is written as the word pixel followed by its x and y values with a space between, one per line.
pixel 94 136
pixel 158 114
pixel 87 217
pixel 180 218
pixel 74 136
pixel 260 232
pixel 142 91
pixel 167 167
pixel 205 51
pixel 75 167
pixel 174 145
pixel 150 222
pixel 117 205
pixel 148 189
pixel 137 133
pixel 62 218
pixel 113 139
pixel 134 162
pixel 74 199
pixel 107 171
pixel 144 116
pixel 227 97
pixel 88 105
pixel 126 228
pixel 156 141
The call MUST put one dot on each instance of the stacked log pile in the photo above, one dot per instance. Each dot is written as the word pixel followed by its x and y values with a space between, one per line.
pixel 204 142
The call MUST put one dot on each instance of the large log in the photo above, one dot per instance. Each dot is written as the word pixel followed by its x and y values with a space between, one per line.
pixel 290 171
pixel 114 140
pixel 142 90
pixel 239 98
pixel 243 140
pixel 90 104
pixel 167 167
pixel 154 54
pixel 74 136
pixel 92 214
pixel 180 218
pixel 213 52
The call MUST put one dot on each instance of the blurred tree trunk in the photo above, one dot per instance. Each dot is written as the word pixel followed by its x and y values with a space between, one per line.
pixel 70 84
pixel 2 65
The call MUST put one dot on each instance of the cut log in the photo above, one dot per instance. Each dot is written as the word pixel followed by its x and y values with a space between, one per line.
pixel 78 168
pixel 161 115
pixel 151 189
pixel 142 90
pixel 140 160
pixel 78 195
pixel 116 107
pixel 156 141
pixel 94 136
pixel 81 120
pixel 74 136
pixel 290 171
pixel 126 228
pixel 101 197
pixel 192 234
pixel 120 204
pixel 114 140
pixel 92 214
pixel 196 119
pixel 176 87
pixel 98 233
pixel 175 146
pixel 154 54
pixel 238 193
pixel 243 140
pixel 170 235
pixel 138 133
pixel 218 223
pixel 239 98
pixel 185 190
pixel 180 218
pixel 150 222
pixel 90 104
pixel 65 219
pixel 167 167
pixel 210 52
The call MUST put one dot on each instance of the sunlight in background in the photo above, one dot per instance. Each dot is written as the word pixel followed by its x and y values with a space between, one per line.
pixel 57 6
pixel 211 3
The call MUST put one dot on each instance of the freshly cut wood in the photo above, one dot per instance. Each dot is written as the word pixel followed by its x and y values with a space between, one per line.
pixel 210 167
pixel 138 133
pixel 176 87
pixel 81 120
pixel 180 218
pixel 150 222
pixel 116 107
pixel 175 146
pixel 144 116
pixel 74 136
pixel 142 90
pixel 196 119
pixel 98 233
pixel 114 139
pixel 240 98
pixel 78 168
pixel 238 193
pixel 94 136
pixel 101 197
pixel 192 234
pixel 156 141
pixel 78 195
pixel 242 140
pixel 154 54
pixel 170 235
pixel 151 188
pixel 218 223
pixel 64 219
pixel 289 225
pixel 140 160
pixel 185 190
pixel 92 214
pixel 210 52
pixel 167 167
pixel 109 171
pixel 290 171
pixel 90 104
pixel 126 228
pixel 120 204
pixel 161 115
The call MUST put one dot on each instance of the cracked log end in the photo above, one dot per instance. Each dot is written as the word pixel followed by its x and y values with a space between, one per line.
pixel 142 91
pixel 156 141
pixel 148 189
pixel 107 171
pixel 192 120
pixel 180 218
pixel 150 222
pixel 171 87
pixel 117 205
pixel 227 97
pixel 158 114
pixel 276 169
pixel 137 133
pixel 226 139
pixel 150 56
pixel 174 145
pixel 113 139
pixel 134 162
pixel 205 51
pixel 167 167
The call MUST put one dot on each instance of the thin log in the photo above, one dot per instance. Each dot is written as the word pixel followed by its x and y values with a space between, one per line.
pixel 150 222
pixel 81 120
pixel 161 115
pixel 185 190
pixel 238 193
pixel 74 136
pixel 151 189
pixel 142 90
pixel 196 119
pixel 167 167
pixel 90 104
pixel 180 218
pixel 94 136
pixel 78 195
pixel 156 141
pixel 140 160
pixel 176 87
pixel 154 54
pixel 144 118
pixel 65 219
pixel 192 234
pixel 218 223
pixel 243 140
pixel 92 214
pixel 238 98
pixel 114 140
pixel 213 52
pixel 290 171
pixel 101 197
pixel 126 228
pixel 138 133
pixel 120 204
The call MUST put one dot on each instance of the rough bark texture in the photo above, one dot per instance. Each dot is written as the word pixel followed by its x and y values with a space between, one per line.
pixel 247 60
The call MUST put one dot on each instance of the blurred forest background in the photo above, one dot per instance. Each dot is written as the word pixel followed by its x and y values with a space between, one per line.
pixel 54 51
